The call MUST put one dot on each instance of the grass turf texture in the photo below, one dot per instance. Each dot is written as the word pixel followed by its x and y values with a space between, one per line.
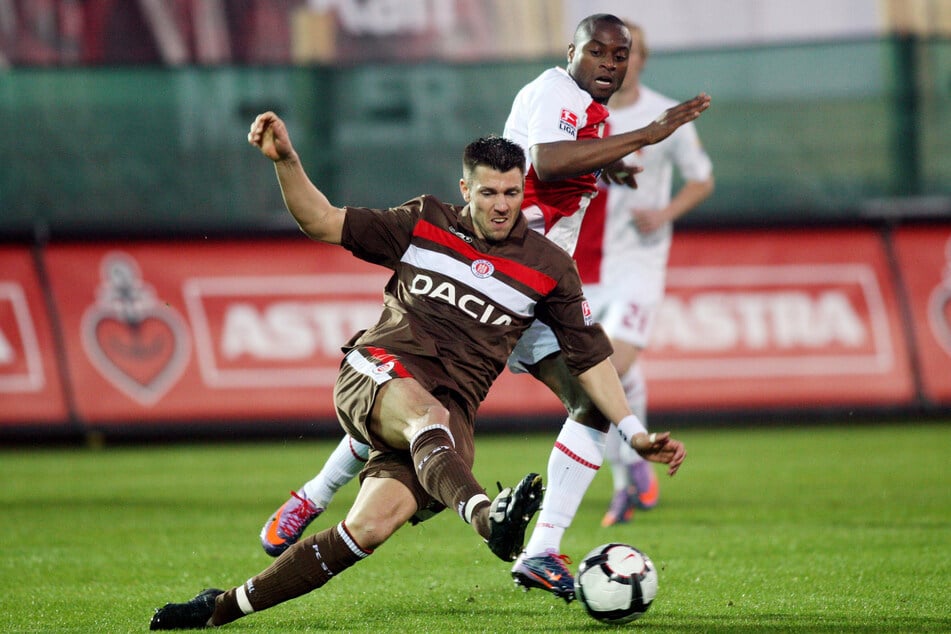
pixel 843 529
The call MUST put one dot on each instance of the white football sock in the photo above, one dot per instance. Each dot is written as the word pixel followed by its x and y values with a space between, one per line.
pixel 572 465
pixel 341 467
pixel 613 447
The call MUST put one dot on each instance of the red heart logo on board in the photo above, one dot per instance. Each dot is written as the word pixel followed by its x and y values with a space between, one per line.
pixel 142 358
pixel 141 351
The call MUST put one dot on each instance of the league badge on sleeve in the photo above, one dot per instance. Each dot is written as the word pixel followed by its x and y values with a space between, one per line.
pixel 569 122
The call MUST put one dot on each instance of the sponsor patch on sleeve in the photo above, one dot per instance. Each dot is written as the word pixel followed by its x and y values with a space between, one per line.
pixel 569 122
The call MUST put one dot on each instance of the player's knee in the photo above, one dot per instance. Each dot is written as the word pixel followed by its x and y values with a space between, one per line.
pixel 435 414
pixel 371 524
pixel 370 534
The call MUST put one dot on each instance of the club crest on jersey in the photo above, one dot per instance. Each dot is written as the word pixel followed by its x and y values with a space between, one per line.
pixel 569 122
pixel 586 311
pixel 482 269
pixel 384 368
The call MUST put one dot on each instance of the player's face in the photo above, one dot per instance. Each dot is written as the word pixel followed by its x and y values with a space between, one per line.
pixel 598 64
pixel 495 201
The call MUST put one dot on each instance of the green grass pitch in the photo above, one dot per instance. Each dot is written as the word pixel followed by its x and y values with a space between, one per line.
pixel 818 529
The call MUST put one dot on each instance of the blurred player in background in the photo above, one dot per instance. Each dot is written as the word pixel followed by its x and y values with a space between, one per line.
pixel 413 399
pixel 622 256
pixel 559 118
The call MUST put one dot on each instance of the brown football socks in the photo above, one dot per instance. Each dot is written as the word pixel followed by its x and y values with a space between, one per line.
pixel 305 566
pixel 447 477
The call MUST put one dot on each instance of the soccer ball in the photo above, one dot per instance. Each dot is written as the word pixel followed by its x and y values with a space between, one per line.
pixel 616 583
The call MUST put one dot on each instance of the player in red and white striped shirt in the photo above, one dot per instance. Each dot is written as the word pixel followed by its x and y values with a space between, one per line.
pixel 560 119
pixel 622 256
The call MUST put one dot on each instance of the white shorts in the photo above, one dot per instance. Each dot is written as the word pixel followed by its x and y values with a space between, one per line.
pixel 539 340
pixel 535 344
pixel 626 312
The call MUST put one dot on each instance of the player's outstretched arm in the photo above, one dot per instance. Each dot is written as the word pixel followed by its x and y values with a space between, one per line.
pixel 567 159
pixel 602 385
pixel 310 207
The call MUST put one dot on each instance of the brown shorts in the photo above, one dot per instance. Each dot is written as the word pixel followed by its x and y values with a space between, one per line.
pixel 363 372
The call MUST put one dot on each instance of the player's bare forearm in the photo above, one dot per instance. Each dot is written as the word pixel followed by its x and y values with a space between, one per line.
pixel 690 195
pixel 602 385
pixel 314 213
pixel 567 159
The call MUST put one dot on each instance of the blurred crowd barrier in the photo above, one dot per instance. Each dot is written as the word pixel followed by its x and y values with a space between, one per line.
pixel 69 33
pixel 149 336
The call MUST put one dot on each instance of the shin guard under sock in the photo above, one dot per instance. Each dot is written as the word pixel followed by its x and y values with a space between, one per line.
pixel 572 465
pixel 442 471
pixel 305 566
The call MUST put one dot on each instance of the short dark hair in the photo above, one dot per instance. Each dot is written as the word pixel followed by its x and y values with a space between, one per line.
pixel 494 152
pixel 589 25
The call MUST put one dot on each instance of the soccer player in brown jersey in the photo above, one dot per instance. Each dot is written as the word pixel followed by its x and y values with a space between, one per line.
pixel 467 281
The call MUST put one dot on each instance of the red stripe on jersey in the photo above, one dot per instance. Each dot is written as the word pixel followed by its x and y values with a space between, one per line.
pixel 562 198
pixel 595 118
pixel 536 280
pixel 590 248
pixel 385 357
pixel 557 199
pixel 568 452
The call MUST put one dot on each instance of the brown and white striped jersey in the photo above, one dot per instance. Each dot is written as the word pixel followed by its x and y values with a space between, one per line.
pixel 463 302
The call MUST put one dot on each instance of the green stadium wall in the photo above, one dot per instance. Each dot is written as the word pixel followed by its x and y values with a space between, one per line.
pixel 806 133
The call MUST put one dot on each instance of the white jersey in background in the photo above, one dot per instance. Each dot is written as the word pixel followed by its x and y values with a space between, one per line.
pixel 617 263
pixel 609 251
